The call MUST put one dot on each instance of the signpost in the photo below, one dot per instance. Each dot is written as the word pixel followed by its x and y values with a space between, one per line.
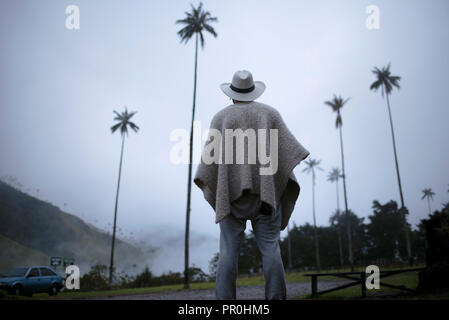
pixel 55 261
pixel 68 261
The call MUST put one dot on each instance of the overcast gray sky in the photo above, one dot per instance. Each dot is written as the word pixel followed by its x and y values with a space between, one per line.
pixel 58 88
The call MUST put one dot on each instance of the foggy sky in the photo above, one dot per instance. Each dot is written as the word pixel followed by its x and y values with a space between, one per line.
pixel 58 88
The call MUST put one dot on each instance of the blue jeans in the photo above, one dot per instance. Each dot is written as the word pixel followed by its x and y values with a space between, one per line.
pixel 267 233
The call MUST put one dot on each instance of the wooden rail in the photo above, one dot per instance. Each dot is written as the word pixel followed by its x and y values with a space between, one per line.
pixel 359 279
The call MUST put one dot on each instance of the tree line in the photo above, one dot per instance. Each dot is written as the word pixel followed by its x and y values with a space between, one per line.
pixel 376 239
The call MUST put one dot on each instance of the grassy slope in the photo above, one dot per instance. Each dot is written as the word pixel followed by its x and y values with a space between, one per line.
pixel 13 254
pixel 43 227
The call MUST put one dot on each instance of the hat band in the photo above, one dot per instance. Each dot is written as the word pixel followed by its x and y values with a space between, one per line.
pixel 239 90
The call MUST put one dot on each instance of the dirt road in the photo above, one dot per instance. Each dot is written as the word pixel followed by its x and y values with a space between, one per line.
pixel 256 292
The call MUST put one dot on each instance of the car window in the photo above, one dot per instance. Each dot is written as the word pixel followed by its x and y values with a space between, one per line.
pixel 34 273
pixel 47 272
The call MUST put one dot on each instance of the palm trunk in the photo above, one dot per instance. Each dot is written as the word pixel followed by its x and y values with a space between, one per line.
pixel 189 182
pixel 404 219
pixel 340 247
pixel 111 266
pixel 428 203
pixel 348 220
pixel 289 249
pixel 317 249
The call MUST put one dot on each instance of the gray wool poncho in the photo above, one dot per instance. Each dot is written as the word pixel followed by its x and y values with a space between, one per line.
pixel 223 182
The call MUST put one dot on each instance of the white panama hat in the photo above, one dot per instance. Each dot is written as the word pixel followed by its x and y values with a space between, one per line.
pixel 243 87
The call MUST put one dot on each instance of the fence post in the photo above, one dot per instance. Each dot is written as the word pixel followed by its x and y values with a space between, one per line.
pixel 363 280
pixel 314 286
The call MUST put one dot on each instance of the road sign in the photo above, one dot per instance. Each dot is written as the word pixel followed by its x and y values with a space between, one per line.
pixel 55 261
pixel 68 261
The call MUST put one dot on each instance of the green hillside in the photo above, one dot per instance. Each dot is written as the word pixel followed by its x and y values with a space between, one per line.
pixel 38 229
pixel 14 254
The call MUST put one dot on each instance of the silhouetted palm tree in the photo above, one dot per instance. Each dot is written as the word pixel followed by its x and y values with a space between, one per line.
pixel 195 23
pixel 428 193
pixel 386 82
pixel 123 122
pixel 334 176
pixel 336 104
pixel 311 165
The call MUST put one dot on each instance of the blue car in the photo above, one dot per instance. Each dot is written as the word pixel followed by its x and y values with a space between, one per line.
pixel 29 280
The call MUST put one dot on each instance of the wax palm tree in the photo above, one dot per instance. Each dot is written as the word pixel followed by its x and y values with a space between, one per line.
pixel 386 81
pixel 123 122
pixel 428 193
pixel 337 104
pixel 311 165
pixel 195 23
pixel 334 176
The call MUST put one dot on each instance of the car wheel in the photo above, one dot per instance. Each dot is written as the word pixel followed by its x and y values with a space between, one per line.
pixel 54 289
pixel 17 290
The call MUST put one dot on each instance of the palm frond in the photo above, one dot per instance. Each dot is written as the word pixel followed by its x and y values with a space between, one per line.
pixel 395 81
pixel 428 193
pixel 376 71
pixel 115 127
pixel 194 23
pixel 123 122
pixel 385 80
pixel 201 39
pixel 210 29
pixel 330 104
pixel 211 19
pixel 118 116
pixel 376 85
pixel 311 165
pixel 133 126
pixel 130 115
pixel 334 174
pixel 336 104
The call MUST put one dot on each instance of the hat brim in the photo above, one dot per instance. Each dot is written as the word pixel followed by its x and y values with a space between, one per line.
pixel 259 88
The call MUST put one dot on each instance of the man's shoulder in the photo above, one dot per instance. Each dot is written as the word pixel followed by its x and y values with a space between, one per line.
pixel 254 107
pixel 220 114
pixel 262 107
